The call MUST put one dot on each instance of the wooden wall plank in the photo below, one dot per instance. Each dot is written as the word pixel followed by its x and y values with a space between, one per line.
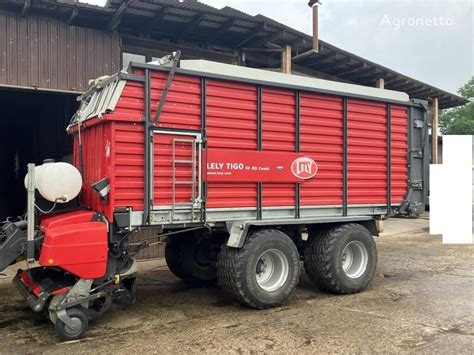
pixel 47 54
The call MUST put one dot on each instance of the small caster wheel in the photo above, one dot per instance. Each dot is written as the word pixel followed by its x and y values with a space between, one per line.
pixel 75 330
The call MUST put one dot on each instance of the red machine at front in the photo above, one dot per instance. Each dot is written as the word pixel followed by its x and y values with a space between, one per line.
pixel 76 269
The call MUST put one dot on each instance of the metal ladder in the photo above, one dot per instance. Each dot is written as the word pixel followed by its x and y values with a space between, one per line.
pixel 193 164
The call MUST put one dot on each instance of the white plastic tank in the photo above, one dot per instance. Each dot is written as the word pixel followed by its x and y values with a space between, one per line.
pixel 57 182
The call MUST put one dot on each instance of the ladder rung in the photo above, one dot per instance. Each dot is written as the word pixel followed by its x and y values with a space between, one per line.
pixel 183 183
pixel 184 140
pixel 184 161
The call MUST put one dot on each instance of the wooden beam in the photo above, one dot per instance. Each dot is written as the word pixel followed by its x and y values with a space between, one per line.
pixel 363 73
pixel 423 91
pixel 254 32
pixel 26 7
pixel 117 16
pixel 380 83
pixel 192 25
pixel 158 16
pixel 286 60
pixel 369 77
pixel 263 50
pixel 322 59
pixel 224 28
pixel 299 42
pixel 133 43
pixel 345 61
pixel 395 82
pixel 387 77
pixel 266 61
pixel 268 39
pixel 352 69
pixel 434 130
pixel 73 16
pixel 402 87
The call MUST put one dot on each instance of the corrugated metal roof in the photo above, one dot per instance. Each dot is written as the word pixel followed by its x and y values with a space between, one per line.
pixel 195 21
pixel 274 78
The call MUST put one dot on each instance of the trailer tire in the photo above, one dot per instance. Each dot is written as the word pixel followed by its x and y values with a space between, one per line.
pixel 342 259
pixel 173 258
pixel 192 259
pixel 243 274
pixel 66 333
pixel 199 261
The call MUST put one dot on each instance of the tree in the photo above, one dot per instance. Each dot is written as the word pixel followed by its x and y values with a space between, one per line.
pixel 460 120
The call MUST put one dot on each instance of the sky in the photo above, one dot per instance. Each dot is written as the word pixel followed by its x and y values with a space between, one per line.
pixel 429 40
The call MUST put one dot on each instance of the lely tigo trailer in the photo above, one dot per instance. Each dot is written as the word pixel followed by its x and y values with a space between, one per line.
pixel 246 173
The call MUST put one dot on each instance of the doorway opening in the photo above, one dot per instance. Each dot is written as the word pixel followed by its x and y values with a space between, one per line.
pixel 32 129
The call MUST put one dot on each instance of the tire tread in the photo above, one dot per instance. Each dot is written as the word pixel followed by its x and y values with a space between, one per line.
pixel 318 254
pixel 231 265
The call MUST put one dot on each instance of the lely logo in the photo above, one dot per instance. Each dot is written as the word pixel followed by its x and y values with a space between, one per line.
pixel 304 168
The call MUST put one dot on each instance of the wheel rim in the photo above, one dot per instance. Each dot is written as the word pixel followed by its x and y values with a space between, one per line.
pixel 75 328
pixel 272 270
pixel 355 258
pixel 205 255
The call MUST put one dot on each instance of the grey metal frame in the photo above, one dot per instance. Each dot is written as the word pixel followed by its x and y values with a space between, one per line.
pixel 30 231
pixel 239 230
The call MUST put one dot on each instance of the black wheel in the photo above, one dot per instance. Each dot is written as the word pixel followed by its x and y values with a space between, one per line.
pixel 199 260
pixel 193 258
pixel 80 324
pixel 341 259
pixel 264 273
pixel 172 256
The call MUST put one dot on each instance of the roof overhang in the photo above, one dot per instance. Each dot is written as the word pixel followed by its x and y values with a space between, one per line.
pixel 229 31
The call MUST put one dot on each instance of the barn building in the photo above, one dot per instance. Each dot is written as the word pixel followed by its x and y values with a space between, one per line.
pixel 50 49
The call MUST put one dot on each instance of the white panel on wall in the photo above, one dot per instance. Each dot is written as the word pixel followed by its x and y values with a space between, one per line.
pixel 451 191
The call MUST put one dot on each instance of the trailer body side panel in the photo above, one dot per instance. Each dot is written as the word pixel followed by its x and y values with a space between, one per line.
pixel 247 122
pixel 322 140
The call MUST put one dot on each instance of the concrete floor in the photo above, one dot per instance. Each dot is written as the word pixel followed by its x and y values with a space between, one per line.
pixel 422 300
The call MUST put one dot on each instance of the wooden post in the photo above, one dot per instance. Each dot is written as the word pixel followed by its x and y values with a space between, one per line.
pixel 286 60
pixel 434 131
pixel 380 83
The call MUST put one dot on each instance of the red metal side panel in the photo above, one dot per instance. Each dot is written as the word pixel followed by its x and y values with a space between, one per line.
pixel 182 109
pixel 231 124
pixel 278 134
pixel 96 144
pixel 128 153
pixel 131 104
pixel 163 169
pixel 367 152
pixel 399 153
pixel 322 139
pixel 114 147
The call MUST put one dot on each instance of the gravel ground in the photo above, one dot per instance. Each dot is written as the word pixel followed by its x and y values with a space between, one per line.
pixel 422 300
